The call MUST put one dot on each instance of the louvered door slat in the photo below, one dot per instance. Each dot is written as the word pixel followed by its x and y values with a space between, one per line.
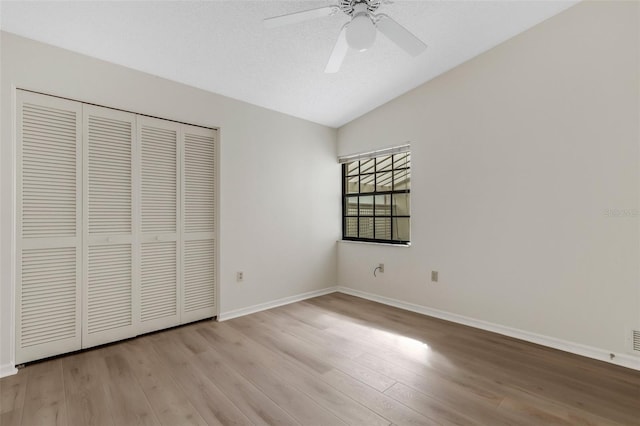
pixel 37 326
pixel 199 206
pixel 159 216
pixel 199 276
pixel 199 159
pixel 109 172
pixel 48 232
pixel 59 152
pixel 159 179
pixel 158 281
pixel 110 274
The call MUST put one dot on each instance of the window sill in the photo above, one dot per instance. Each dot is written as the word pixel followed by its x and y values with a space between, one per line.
pixel 408 245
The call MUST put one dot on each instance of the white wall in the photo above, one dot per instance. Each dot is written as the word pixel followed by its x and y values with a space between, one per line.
pixel 279 181
pixel 517 155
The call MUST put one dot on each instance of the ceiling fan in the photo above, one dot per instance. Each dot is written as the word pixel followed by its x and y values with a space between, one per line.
pixel 359 33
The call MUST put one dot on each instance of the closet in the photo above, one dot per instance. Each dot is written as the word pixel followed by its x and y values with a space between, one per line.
pixel 116 219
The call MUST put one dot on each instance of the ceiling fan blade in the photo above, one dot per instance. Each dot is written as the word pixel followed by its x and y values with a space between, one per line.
pixel 305 15
pixel 400 35
pixel 339 52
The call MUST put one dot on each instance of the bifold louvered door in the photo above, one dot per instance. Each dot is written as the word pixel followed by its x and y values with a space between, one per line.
pixel 159 218
pixel 116 221
pixel 110 305
pixel 48 230
pixel 199 223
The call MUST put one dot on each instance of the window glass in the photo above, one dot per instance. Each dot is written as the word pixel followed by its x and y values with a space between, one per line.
pixel 367 183
pixel 351 185
pixel 367 166
pixel 351 206
pixel 366 206
pixel 351 227
pixel 401 180
pixel 383 228
pixel 384 181
pixel 352 168
pixel 383 163
pixel 400 205
pixel 366 227
pixel 401 228
pixel 383 205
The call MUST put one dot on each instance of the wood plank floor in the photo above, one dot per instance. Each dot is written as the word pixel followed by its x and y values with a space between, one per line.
pixel 332 360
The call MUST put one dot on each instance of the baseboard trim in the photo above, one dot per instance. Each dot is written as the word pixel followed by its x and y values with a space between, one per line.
pixel 7 370
pixel 274 303
pixel 623 360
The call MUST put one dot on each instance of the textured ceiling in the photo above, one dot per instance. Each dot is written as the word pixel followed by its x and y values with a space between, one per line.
pixel 221 46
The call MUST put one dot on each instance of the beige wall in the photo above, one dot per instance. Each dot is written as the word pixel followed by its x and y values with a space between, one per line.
pixel 521 158
pixel 279 180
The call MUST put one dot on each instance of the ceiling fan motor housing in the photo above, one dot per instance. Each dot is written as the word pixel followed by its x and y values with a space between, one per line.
pixel 348 6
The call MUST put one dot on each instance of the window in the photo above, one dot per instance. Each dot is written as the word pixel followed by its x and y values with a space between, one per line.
pixel 376 196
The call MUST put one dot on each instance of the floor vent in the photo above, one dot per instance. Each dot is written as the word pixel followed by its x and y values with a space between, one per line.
pixel 635 340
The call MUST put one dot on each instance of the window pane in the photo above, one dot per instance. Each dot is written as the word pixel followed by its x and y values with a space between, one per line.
pixel 401 229
pixel 366 183
pixel 402 180
pixel 366 205
pixel 351 184
pixel 402 160
pixel 383 228
pixel 383 205
pixel 351 206
pixel 366 227
pixel 383 181
pixel 383 163
pixel 351 227
pixel 401 205
pixel 352 168
pixel 367 166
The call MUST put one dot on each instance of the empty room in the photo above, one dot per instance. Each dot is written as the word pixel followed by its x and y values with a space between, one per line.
pixel 320 212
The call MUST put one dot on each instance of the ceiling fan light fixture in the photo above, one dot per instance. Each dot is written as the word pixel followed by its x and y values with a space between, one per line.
pixel 361 32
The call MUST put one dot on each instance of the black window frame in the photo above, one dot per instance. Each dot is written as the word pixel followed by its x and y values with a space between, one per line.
pixel 406 167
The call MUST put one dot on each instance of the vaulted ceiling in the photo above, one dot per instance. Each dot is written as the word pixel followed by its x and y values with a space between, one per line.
pixel 222 47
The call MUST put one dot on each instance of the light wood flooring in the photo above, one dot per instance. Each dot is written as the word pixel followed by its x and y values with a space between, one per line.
pixel 332 360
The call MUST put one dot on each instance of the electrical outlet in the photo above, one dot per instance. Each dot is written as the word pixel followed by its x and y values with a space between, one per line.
pixel 434 276
pixel 239 276
pixel 381 267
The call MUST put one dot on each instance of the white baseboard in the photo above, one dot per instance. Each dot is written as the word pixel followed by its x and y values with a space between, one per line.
pixel 623 360
pixel 7 370
pixel 274 303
